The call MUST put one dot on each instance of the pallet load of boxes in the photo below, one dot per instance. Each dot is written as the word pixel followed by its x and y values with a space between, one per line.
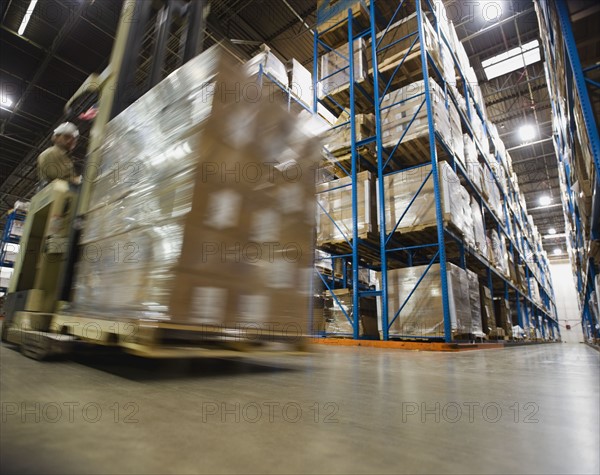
pixel 226 245
pixel 497 268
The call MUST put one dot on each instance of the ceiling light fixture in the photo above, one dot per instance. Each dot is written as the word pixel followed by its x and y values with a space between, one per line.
pixel 527 132
pixel 27 16
pixel 551 231
pixel 512 60
pixel 545 200
pixel 5 102
pixel 557 251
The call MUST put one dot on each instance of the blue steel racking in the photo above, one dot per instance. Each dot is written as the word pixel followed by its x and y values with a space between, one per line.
pixel 569 97
pixel 523 250
pixel 9 237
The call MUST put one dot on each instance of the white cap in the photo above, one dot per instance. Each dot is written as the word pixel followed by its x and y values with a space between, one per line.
pixel 67 128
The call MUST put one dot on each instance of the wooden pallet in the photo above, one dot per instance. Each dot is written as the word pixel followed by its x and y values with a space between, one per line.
pixel 334 30
pixel 368 248
pixel 341 96
pixel 342 166
pixel 413 151
pixel 155 339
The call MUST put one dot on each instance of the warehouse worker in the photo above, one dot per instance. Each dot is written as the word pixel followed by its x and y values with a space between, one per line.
pixel 55 162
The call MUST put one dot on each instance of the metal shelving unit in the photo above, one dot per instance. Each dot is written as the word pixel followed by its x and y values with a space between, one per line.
pixel 390 250
pixel 9 237
pixel 576 142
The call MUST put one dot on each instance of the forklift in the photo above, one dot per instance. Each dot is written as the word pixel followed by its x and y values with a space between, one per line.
pixel 41 286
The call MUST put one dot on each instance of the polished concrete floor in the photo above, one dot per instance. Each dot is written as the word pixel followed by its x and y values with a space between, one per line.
pixel 342 410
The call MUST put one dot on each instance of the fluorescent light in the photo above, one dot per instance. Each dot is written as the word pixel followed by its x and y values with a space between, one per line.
pixel 551 231
pixel 527 132
pixel 27 16
pixel 557 251
pixel 512 60
pixel 545 200
pixel 5 102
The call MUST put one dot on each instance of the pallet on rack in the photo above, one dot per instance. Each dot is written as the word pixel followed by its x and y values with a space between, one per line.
pixel 368 248
pixel 331 27
pixel 413 150
pixel 340 96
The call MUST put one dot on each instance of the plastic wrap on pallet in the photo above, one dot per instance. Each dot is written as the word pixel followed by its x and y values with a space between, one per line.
pixel 498 252
pixel 339 139
pixel 405 113
pixel 457 144
pixel 460 52
pixel 334 222
pixel 270 64
pixel 339 314
pixel 334 73
pixel 534 290
pixel 394 44
pixel 488 318
pixel 492 193
pixel 503 315
pixel 466 216
pixel 475 303
pixel 422 314
pixel 448 64
pixel 478 228
pixel 301 83
pixel 167 249
pixel 401 188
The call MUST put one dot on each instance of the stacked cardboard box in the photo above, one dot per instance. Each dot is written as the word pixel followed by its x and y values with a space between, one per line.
pixel 339 139
pixel 270 64
pixel 334 71
pixel 423 314
pixel 332 13
pixel 488 318
pixel 220 234
pixel 339 313
pixel 478 228
pixel 497 254
pixel 492 193
pixel 503 315
pixel 301 83
pixel 334 222
pixel 400 189
pixel 404 114
pixel 475 301
pixel 395 41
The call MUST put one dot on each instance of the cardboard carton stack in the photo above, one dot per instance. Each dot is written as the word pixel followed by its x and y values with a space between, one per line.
pixel 334 71
pixel 339 314
pixel 423 313
pixel 400 189
pixel 398 115
pixel 334 221
pixel 217 231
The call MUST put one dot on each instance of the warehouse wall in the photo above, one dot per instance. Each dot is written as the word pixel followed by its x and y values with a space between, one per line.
pixel 566 300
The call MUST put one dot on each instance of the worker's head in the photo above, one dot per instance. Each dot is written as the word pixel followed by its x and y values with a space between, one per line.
pixel 65 136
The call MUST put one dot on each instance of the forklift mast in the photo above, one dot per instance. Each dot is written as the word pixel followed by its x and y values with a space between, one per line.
pixel 43 276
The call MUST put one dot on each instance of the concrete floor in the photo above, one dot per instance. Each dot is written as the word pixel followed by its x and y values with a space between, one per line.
pixel 519 410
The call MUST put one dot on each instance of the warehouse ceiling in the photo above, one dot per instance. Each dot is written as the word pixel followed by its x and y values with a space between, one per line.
pixel 66 40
